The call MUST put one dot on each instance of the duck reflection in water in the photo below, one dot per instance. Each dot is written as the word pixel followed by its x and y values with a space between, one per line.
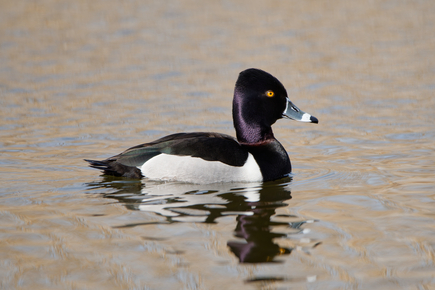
pixel 254 206
pixel 255 229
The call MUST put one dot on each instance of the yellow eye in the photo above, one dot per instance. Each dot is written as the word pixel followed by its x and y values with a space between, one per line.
pixel 270 94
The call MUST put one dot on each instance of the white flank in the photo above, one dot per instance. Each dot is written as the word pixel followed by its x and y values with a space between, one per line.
pixel 197 170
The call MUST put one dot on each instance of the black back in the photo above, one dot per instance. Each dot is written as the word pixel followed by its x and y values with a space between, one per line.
pixel 208 146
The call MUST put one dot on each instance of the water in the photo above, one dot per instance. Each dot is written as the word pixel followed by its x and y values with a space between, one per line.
pixel 90 79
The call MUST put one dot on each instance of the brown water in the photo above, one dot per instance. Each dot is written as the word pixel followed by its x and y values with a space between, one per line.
pixel 88 79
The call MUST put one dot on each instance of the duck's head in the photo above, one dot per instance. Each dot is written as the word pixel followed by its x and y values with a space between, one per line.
pixel 259 100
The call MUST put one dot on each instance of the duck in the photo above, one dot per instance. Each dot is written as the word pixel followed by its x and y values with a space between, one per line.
pixel 255 155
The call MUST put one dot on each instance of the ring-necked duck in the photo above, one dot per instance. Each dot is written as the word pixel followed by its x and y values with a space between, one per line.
pixel 259 100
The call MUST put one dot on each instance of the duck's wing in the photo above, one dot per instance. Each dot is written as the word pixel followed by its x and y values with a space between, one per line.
pixel 208 146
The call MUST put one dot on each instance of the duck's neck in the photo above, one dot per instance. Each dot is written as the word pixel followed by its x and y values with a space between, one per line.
pixel 248 128
pixel 248 134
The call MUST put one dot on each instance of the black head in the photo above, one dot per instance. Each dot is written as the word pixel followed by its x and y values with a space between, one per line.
pixel 259 100
pixel 259 96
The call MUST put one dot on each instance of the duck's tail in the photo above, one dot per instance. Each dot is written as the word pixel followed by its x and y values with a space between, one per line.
pixel 114 168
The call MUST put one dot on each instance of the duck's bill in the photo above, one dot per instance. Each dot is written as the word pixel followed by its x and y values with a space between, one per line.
pixel 294 113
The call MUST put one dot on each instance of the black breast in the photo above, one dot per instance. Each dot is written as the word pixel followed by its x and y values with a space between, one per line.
pixel 272 158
